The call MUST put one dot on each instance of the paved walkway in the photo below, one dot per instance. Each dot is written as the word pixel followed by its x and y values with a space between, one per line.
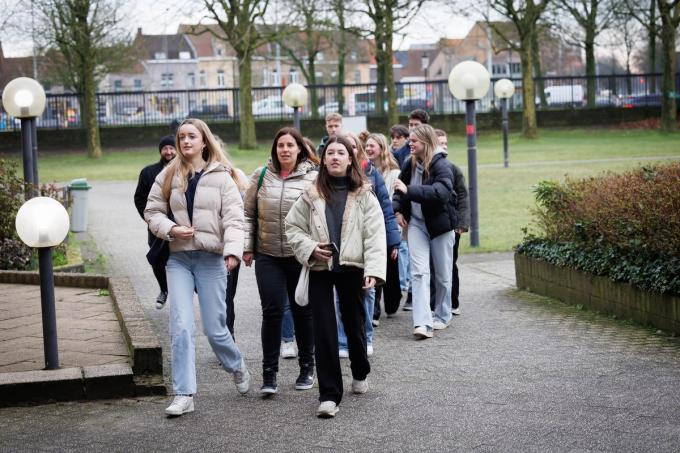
pixel 88 332
pixel 513 373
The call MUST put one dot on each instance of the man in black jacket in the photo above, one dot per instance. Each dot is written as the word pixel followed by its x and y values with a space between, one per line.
pixel 146 179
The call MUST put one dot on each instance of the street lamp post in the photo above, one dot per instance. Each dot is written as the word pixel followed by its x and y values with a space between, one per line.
pixel 469 81
pixel 43 223
pixel 24 98
pixel 295 95
pixel 504 89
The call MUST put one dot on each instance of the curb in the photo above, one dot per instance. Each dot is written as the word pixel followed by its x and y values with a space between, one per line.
pixel 142 377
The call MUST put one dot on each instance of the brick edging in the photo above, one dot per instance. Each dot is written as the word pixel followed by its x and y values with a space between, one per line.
pixel 77 280
pixel 598 293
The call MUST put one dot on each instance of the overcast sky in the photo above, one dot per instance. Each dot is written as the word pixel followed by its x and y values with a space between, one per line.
pixel 159 17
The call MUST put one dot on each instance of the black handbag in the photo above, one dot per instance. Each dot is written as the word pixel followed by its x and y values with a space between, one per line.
pixel 159 252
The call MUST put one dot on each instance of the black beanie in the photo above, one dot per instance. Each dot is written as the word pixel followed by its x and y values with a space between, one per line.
pixel 165 141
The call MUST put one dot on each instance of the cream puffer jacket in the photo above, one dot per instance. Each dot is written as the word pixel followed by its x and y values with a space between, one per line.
pixel 217 215
pixel 274 199
pixel 363 242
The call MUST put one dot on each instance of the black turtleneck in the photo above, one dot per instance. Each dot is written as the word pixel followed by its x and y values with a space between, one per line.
pixel 335 210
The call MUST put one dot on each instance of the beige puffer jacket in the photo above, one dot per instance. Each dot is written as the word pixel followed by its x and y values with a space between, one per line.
pixel 363 243
pixel 217 215
pixel 274 199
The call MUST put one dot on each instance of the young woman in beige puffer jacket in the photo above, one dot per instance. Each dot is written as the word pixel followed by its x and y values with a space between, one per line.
pixel 337 229
pixel 273 190
pixel 195 204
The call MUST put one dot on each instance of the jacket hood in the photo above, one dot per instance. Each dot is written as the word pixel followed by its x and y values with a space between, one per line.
pixel 302 168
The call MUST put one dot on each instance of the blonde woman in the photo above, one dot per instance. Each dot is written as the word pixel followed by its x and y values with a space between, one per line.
pixel 379 153
pixel 195 204
pixel 424 201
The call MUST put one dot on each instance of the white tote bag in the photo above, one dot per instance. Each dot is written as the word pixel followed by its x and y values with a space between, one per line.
pixel 302 288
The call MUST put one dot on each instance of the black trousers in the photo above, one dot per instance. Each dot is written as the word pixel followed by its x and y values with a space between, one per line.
pixel 159 269
pixel 391 290
pixel 232 283
pixel 455 282
pixel 276 281
pixel 349 287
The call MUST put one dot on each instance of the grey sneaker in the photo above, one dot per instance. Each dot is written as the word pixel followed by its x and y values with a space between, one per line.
pixel 327 409
pixel 359 387
pixel 242 378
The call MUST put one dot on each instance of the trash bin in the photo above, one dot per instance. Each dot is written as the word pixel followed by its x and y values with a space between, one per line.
pixel 79 189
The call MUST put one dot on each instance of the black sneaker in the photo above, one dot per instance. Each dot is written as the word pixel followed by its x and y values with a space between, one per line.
pixel 408 305
pixel 305 380
pixel 161 299
pixel 269 386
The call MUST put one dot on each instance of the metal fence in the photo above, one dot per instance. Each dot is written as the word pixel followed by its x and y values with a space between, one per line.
pixel 162 107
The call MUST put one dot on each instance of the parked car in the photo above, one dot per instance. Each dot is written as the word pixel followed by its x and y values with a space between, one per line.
pixel 406 105
pixel 641 100
pixel 271 106
pixel 210 112
pixel 331 107
pixel 563 95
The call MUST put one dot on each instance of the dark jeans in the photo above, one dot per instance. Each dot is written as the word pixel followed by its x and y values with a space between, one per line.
pixel 455 283
pixel 232 283
pixel 276 282
pixel 391 290
pixel 351 295
pixel 159 269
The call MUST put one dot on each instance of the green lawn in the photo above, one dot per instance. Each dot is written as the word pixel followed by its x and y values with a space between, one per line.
pixel 505 196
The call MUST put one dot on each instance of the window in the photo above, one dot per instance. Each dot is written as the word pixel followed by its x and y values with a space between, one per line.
pixel 220 78
pixel 117 85
pixel 184 55
pixel 160 56
pixel 220 51
pixel 498 69
pixel 319 56
pixel 191 80
pixel 353 56
pixel 276 79
pixel 294 76
pixel 357 76
pixel 515 68
pixel 138 84
pixel 166 80
pixel 201 79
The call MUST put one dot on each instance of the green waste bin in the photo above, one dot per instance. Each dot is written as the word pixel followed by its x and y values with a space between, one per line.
pixel 79 189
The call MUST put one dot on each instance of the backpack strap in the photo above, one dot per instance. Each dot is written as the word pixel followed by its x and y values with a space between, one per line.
pixel 259 181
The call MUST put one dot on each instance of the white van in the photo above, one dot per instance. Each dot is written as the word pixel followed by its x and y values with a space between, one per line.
pixel 557 95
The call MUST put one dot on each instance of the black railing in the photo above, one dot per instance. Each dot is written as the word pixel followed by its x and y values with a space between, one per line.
pixel 162 107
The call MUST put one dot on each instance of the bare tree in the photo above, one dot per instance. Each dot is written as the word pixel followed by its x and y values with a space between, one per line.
pixel 85 41
pixel 669 12
pixel 627 32
pixel 524 15
pixel 241 25
pixel 645 13
pixel 592 17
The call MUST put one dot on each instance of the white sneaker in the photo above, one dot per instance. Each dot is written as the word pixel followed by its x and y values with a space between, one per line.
pixel 327 409
pixel 181 404
pixel 455 311
pixel 288 350
pixel 343 353
pixel 438 325
pixel 369 350
pixel 359 387
pixel 422 332
pixel 242 378
pixel 375 322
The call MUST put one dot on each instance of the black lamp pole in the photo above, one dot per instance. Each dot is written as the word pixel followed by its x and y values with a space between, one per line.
pixel 471 132
pixel 49 314
pixel 296 118
pixel 504 115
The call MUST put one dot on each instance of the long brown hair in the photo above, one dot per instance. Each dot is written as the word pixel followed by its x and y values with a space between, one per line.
pixel 361 152
pixel 425 134
pixel 354 174
pixel 304 154
pixel 386 160
pixel 212 152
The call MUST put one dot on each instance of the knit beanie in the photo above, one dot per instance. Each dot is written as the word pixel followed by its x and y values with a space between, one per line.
pixel 165 141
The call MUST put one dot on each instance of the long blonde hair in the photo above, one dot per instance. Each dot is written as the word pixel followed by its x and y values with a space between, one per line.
pixel 361 152
pixel 426 135
pixel 212 152
pixel 385 160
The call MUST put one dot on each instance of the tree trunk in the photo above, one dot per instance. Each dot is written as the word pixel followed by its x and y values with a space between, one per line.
pixel 529 125
pixel 651 35
pixel 380 80
pixel 342 53
pixel 89 114
pixel 392 115
pixel 591 81
pixel 538 72
pixel 668 103
pixel 247 139
pixel 313 94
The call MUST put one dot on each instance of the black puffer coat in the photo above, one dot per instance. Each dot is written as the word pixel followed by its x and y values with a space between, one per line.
pixel 436 196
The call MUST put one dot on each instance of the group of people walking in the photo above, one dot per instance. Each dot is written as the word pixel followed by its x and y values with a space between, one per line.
pixel 331 232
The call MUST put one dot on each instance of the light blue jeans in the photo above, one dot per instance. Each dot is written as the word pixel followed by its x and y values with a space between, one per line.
pixel 206 272
pixel 287 325
pixel 369 308
pixel 420 246
pixel 404 267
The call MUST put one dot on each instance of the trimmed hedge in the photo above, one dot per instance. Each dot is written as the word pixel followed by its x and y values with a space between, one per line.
pixel 623 226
